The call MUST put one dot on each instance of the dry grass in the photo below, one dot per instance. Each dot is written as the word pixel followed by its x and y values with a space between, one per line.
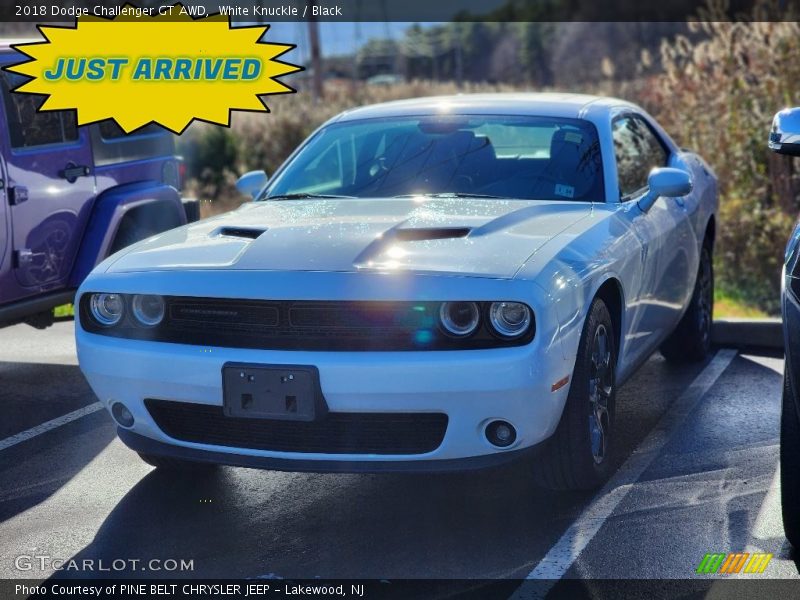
pixel 718 96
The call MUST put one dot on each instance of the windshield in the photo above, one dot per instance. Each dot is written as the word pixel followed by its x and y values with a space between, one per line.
pixel 503 156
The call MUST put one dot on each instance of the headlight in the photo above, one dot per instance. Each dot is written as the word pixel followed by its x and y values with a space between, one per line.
pixel 510 319
pixel 459 318
pixel 148 309
pixel 107 309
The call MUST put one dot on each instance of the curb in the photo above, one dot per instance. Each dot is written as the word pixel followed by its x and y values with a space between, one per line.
pixel 748 333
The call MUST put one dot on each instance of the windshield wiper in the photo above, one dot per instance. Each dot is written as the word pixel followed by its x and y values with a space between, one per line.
pixel 451 195
pixel 304 196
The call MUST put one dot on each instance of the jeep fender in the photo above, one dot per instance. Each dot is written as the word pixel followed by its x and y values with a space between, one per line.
pixel 110 209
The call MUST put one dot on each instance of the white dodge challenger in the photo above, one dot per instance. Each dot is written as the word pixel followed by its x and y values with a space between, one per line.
pixel 430 284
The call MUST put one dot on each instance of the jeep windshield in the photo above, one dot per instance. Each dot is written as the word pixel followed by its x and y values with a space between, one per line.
pixel 519 157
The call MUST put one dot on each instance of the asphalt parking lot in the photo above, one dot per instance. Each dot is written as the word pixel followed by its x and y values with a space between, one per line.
pixel 697 455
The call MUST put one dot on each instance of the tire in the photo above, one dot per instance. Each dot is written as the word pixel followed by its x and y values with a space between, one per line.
pixel 790 464
pixel 168 463
pixel 691 340
pixel 578 455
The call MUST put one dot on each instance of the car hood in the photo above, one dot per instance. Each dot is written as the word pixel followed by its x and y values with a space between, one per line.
pixel 458 236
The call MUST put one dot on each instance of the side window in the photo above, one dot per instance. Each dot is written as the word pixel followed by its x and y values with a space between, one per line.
pixel 111 145
pixel 637 151
pixel 29 128
pixel 109 130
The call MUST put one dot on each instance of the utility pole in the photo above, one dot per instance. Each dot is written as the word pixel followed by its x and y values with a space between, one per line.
pixel 459 57
pixel 316 56
pixel 356 48
pixel 433 36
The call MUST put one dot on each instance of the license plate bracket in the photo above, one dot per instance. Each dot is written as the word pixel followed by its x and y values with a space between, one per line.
pixel 283 392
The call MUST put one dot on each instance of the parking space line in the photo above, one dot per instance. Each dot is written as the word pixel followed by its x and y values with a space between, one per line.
pixel 568 548
pixel 49 426
pixel 769 524
pixel 766 535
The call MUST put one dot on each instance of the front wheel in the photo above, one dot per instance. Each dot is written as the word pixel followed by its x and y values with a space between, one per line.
pixel 577 456
pixel 691 340
pixel 790 464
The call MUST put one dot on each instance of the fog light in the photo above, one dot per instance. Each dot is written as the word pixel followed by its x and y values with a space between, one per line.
pixel 121 414
pixel 501 434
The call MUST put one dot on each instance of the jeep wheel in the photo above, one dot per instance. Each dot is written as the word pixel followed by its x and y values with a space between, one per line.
pixel 578 455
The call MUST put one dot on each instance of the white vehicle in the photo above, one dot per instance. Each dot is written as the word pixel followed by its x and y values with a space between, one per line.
pixel 436 283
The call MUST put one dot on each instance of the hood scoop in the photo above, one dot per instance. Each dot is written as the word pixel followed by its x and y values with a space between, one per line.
pixel 250 233
pixel 419 234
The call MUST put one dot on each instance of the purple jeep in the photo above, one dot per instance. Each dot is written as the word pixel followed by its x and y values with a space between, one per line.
pixel 70 196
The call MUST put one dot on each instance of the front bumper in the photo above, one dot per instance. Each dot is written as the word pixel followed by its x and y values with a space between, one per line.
pixel 472 387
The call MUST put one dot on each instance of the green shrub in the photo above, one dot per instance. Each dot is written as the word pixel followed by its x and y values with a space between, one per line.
pixel 211 154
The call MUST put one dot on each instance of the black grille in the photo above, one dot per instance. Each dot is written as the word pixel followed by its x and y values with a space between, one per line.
pixel 189 315
pixel 337 433
pixel 303 325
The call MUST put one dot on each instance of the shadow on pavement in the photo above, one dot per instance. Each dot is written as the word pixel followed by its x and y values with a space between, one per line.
pixel 33 393
pixel 33 470
pixel 250 523
pixel 245 523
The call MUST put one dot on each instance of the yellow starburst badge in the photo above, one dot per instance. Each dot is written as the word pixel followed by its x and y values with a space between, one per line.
pixel 143 69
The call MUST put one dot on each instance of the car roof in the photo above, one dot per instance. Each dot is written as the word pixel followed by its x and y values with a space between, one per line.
pixel 538 104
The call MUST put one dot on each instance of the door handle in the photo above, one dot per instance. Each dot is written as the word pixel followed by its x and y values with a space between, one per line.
pixel 72 171
pixel 17 195
pixel 23 258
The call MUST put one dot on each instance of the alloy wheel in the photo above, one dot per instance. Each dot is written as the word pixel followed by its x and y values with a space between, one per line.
pixel 601 382
pixel 705 299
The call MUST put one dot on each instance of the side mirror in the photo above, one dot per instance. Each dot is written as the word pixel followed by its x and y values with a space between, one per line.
pixel 665 181
pixel 785 135
pixel 252 182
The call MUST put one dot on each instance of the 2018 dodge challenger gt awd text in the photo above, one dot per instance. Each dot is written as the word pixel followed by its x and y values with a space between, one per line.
pixel 428 284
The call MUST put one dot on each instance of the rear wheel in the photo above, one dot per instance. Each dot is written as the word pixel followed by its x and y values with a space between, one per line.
pixel 790 464
pixel 168 463
pixel 577 456
pixel 691 340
